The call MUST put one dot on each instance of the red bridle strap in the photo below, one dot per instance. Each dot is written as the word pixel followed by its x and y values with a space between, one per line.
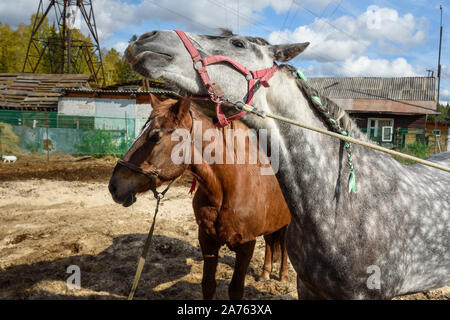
pixel 214 90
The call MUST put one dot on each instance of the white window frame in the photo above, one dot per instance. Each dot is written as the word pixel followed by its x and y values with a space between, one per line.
pixel 376 125
pixel 390 135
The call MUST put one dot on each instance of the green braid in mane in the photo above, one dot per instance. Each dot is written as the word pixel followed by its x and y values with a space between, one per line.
pixel 334 117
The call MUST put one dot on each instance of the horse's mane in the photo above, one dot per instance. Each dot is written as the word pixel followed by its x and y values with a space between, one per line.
pixel 258 40
pixel 162 109
pixel 228 33
pixel 334 117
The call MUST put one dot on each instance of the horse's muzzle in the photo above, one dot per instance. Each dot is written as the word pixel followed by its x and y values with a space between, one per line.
pixel 125 198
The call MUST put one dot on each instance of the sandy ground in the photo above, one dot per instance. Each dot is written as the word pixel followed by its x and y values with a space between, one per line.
pixel 48 223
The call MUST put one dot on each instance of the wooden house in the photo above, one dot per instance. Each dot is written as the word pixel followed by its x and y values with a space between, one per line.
pixel 382 106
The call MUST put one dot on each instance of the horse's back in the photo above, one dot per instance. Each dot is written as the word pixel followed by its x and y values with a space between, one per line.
pixel 442 158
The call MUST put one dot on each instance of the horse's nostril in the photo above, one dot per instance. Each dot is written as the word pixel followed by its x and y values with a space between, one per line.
pixel 147 35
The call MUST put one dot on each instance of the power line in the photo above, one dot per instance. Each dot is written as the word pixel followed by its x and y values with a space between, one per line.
pixel 329 23
pixel 293 18
pixel 325 9
pixel 238 15
pixel 270 29
pixel 321 15
pixel 266 27
pixel 181 15
pixel 335 9
pixel 287 15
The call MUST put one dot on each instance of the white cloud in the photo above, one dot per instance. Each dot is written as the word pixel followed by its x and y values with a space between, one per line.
pixel 378 67
pixel 199 15
pixel 444 96
pixel 110 15
pixel 445 72
pixel 326 44
pixel 386 24
pixel 364 67
pixel 120 46
pixel 18 13
pixel 283 5
pixel 377 28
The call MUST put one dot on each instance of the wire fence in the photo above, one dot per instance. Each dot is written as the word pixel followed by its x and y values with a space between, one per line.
pixel 40 133
pixel 34 132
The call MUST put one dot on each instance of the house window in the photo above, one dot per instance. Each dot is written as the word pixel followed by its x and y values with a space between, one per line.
pixel 386 133
pixel 380 129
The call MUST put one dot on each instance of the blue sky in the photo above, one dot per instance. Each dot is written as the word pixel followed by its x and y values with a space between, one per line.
pixel 348 37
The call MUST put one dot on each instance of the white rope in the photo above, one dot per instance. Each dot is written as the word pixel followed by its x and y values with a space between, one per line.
pixel 342 137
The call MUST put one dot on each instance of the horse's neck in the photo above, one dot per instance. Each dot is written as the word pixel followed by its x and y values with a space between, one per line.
pixel 205 173
pixel 313 150
pixel 211 176
pixel 314 160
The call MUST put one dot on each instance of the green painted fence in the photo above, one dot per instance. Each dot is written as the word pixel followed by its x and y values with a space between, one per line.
pixel 31 132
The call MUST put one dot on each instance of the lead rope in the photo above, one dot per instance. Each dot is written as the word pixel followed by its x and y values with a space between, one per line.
pixel 263 114
pixel 159 196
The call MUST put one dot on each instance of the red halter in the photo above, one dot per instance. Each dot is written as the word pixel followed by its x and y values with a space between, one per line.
pixel 215 91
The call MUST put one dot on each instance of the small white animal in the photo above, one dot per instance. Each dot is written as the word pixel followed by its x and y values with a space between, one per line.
pixel 9 158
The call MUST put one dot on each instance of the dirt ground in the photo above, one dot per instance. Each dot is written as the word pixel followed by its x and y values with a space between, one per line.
pixel 60 213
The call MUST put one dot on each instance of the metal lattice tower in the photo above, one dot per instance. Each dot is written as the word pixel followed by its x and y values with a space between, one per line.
pixel 65 54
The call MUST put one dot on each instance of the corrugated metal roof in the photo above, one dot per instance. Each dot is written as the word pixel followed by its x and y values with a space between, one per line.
pixel 126 91
pixel 405 88
pixel 121 92
pixel 30 91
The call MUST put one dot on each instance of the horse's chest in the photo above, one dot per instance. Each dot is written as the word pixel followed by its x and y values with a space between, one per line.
pixel 206 217
pixel 224 226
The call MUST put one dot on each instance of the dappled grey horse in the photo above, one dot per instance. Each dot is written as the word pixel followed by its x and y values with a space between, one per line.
pixel 388 239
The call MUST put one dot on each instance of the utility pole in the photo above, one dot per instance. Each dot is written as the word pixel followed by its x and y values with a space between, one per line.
pixel 439 80
pixel 66 53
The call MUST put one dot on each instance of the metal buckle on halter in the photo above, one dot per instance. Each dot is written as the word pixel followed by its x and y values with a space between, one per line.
pixel 218 91
pixel 198 65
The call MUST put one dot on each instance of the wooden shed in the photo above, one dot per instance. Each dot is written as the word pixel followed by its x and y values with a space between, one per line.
pixel 381 106
pixel 37 92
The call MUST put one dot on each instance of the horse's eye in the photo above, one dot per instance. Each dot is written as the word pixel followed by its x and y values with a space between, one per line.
pixel 154 136
pixel 238 43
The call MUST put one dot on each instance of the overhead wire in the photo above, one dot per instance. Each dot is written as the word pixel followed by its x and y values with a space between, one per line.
pixel 271 29
pixel 287 15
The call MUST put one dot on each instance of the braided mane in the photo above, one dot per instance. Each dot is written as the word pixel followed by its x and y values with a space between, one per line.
pixel 328 110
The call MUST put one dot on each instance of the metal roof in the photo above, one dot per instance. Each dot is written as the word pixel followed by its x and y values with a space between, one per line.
pixel 124 92
pixel 405 88
pixel 32 91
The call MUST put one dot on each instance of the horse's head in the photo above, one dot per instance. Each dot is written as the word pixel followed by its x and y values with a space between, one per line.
pixel 162 54
pixel 148 163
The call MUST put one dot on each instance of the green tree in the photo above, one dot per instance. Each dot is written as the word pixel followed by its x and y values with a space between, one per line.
pixel 14 44
pixel 444 116
pixel 123 69
pixel 111 58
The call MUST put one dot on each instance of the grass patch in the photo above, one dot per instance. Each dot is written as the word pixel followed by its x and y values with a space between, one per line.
pixel 9 141
pixel 417 149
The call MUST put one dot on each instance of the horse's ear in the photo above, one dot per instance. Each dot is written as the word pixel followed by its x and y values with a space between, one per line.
pixel 154 100
pixel 181 108
pixel 285 52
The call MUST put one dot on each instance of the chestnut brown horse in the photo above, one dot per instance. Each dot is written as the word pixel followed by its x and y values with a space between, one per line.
pixel 234 203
